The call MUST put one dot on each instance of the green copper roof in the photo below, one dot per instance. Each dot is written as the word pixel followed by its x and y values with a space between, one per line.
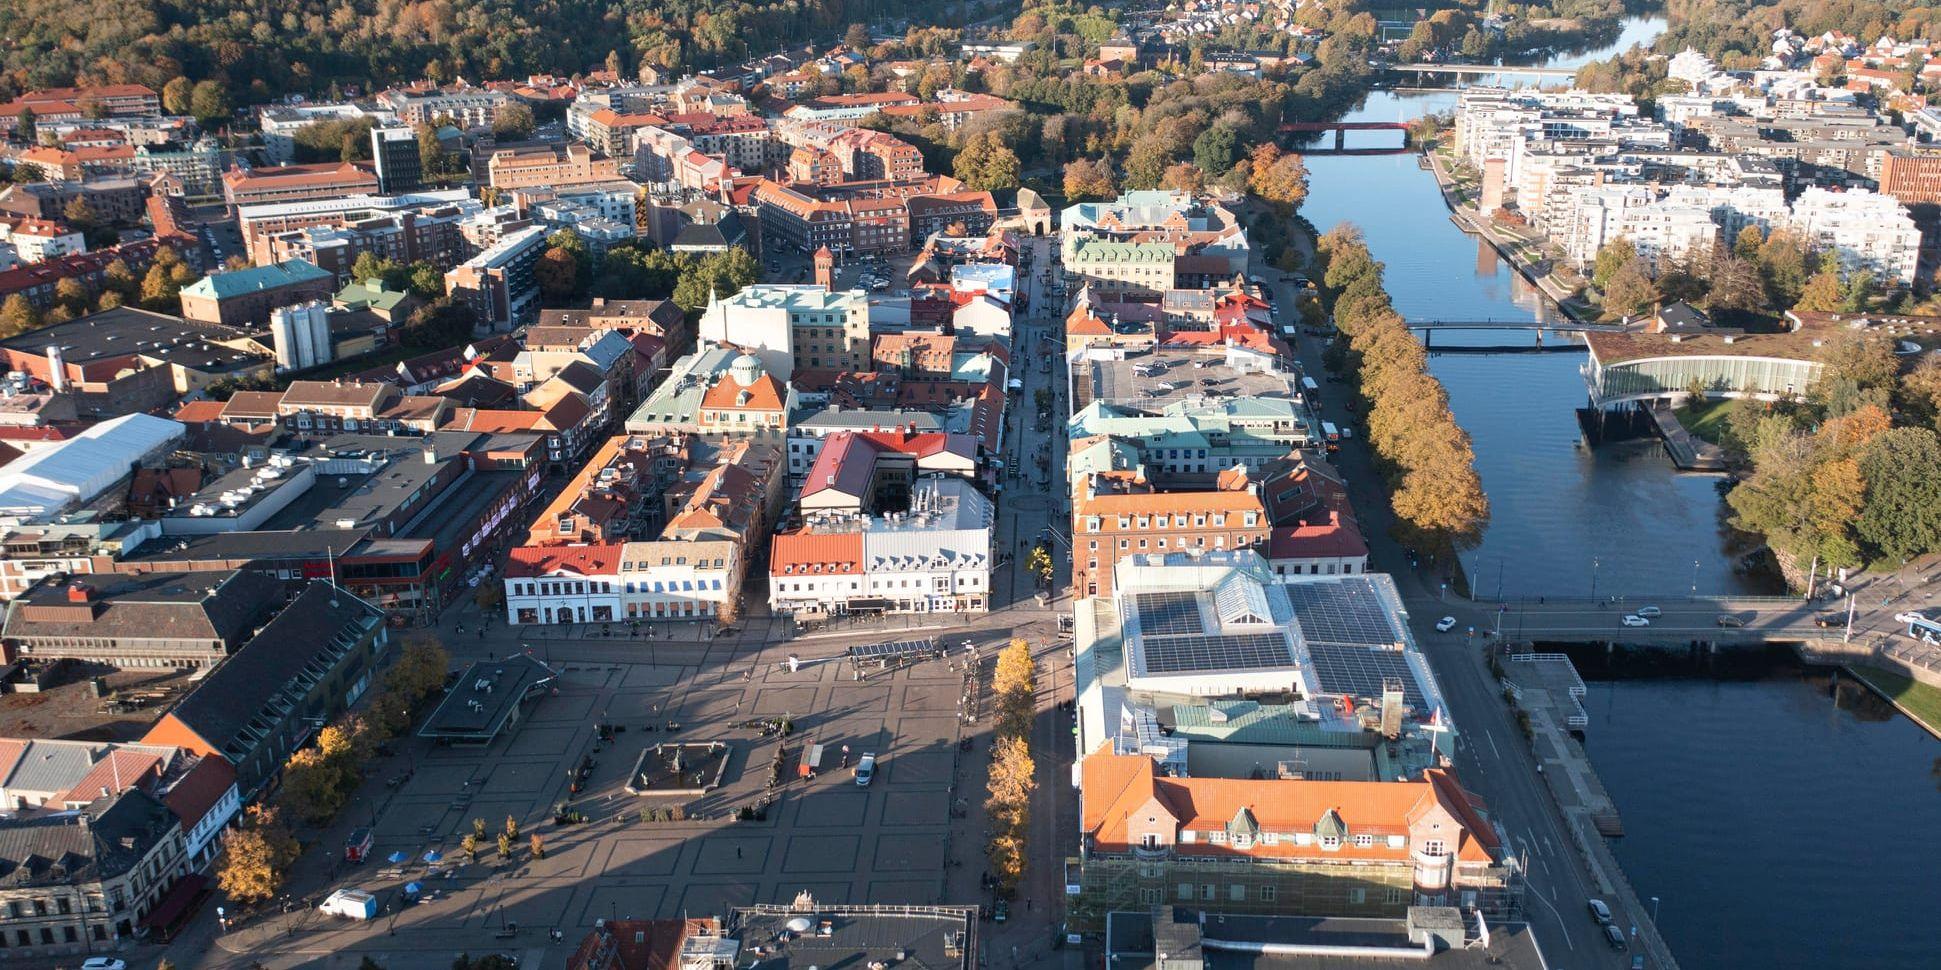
pixel 223 286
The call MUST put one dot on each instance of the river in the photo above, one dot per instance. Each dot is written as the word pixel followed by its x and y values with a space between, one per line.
pixel 1747 796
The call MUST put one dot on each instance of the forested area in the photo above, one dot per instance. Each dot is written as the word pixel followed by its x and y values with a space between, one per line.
pixel 259 49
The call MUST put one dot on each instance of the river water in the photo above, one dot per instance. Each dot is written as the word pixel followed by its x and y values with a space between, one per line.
pixel 1762 813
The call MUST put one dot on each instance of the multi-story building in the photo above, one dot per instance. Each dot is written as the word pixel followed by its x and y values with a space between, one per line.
pixel 169 620
pixel 81 882
pixel 245 297
pixel 1663 233
pixel 34 240
pixel 932 557
pixel 464 107
pixel 498 283
pixel 717 390
pixel 279 123
pixel 1120 514
pixel 394 153
pixel 296 183
pixel 744 142
pixel 307 665
pixel 1282 845
pixel 854 217
pixel 1914 179
pixel 793 326
pixel 1867 230
pixel 518 168
pixel 428 221
pixel 1119 269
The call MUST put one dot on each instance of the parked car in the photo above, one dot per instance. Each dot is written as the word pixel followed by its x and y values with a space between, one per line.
pixel 1650 612
pixel 1614 936
pixel 1001 911
pixel 103 963
pixel 1600 912
pixel 1445 624
pixel 866 770
pixel 1633 619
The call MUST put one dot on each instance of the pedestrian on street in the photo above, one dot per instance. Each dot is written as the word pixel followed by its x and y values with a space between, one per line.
pixel 737 852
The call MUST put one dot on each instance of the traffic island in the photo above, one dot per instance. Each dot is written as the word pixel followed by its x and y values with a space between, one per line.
pixel 679 770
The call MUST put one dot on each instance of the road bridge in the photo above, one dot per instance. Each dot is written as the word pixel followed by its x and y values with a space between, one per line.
pixel 1341 130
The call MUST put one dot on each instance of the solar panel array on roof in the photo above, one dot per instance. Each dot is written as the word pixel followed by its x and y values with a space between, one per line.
pixel 1359 671
pixel 1168 614
pixel 1345 611
pixel 1246 651
pixel 895 648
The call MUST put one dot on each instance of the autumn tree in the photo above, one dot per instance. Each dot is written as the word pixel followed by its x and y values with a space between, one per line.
pixel 1279 179
pixel 1183 177
pixel 557 273
pixel 513 122
pixel 176 95
pixel 505 845
pixel 538 846
pixel 1089 179
pixel 1629 291
pixel 1014 689
pixel 256 856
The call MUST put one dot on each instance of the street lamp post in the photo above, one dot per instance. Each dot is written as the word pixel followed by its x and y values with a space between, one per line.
pixel 1694 579
pixel 1654 909
pixel 1593 578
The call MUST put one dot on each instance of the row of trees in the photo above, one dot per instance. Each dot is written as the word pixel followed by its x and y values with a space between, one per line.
pixel 319 780
pixel 1846 477
pixel 1013 774
pixel 1425 456
pixel 1760 274
pixel 158 288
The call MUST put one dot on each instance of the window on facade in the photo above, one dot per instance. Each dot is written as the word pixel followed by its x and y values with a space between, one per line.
pixel 1393 895
pixel 1435 847
pixel 1331 842
pixel 1206 892
pixel 1357 896
pixel 1149 840
pixel 1237 893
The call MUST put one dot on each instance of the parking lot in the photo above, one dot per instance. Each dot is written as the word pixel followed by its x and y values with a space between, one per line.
pixel 908 837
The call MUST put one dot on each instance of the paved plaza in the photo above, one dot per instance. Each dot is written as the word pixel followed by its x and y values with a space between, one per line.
pixel 894 841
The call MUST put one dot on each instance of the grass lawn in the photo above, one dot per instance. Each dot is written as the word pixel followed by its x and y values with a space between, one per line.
pixel 1707 420
pixel 1918 699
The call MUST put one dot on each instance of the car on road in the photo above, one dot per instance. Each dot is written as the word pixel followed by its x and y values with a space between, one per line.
pixel 1825 620
pixel 1600 912
pixel 1445 624
pixel 1614 936
pixel 866 770
pixel 1650 612
pixel 103 963
pixel 1001 911
pixel 1633 619
pixel 1731 620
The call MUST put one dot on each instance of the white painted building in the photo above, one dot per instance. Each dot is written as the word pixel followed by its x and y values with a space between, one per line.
pixel 790 325
pixel 1867 230
pixel 678 579
pixel 934 558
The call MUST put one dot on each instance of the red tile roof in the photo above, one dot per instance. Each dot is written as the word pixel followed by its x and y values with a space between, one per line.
pixel 528 561
pixel 192 797
pixel 816 554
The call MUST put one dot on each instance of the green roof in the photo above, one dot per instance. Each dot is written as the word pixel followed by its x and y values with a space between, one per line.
pixel 223 286
pixel 371 294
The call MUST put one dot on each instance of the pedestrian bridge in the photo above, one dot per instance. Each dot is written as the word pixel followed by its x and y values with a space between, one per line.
pixel 1486 69
pixel 1510 323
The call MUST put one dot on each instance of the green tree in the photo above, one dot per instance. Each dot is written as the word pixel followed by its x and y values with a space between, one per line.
pixel 27 126
pixel 160 291
pixel 1215 149
pixel 1628 291
pixel 1611 257
pixel 370 266
pixel 986 163
pixel 1902 515
pixel 426 280
pixel 209 102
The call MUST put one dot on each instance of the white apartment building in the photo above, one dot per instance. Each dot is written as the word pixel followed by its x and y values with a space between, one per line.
pixel 280 123
pixel 678 579
pixel 1866 229
pixel 793 325
pixel 1662 233
pixel 934 558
